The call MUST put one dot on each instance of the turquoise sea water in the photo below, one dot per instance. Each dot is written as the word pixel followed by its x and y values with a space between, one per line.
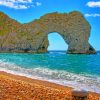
pixel 82 72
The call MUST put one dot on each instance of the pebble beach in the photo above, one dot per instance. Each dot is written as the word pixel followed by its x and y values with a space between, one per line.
pixel 14 87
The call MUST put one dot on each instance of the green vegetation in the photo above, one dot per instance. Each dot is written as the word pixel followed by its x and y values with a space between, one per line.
pixel 7 25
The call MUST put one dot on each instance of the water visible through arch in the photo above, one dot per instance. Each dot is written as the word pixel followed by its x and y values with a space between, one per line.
pixel 56 42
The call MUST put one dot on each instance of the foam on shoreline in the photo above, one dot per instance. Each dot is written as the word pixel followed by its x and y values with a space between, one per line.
pixel 15 87
pixel 78 82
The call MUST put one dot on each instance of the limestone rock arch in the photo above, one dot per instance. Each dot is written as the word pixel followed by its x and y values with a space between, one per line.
pixel 73 27
pixel 33 36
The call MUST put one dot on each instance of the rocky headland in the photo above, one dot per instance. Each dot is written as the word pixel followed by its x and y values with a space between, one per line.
pixel 33 37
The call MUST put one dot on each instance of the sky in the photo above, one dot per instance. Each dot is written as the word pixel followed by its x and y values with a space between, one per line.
pixel 27 10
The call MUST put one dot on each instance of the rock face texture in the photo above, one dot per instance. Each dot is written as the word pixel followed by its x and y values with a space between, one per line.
pixel 33 36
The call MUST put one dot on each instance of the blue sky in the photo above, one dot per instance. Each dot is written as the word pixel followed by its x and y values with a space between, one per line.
pixel 27 10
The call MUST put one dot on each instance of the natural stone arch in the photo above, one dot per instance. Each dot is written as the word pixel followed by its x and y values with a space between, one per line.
pixel 73 27
pixel 33 36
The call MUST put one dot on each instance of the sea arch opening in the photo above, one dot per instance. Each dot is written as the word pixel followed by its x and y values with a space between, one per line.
pixel 56 42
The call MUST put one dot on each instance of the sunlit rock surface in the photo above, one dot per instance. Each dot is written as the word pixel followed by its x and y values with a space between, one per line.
pixel 33 37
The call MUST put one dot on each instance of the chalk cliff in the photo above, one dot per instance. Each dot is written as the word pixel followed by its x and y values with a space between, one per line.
pixel 33 36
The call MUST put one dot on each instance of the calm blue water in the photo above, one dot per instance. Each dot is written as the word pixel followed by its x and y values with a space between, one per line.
pixel 79 71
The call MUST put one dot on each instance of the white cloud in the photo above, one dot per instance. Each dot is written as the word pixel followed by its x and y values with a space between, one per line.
pixel 93 4
pixel 38 3
pixel 19 4
pixel 22 7
pixel 92 15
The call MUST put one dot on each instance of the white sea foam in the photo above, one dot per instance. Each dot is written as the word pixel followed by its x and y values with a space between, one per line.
pixel 78 82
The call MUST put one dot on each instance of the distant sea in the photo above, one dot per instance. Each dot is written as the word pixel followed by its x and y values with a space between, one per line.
pixel 82 72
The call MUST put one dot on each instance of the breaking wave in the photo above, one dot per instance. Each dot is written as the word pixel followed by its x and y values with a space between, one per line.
pixel 77 81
